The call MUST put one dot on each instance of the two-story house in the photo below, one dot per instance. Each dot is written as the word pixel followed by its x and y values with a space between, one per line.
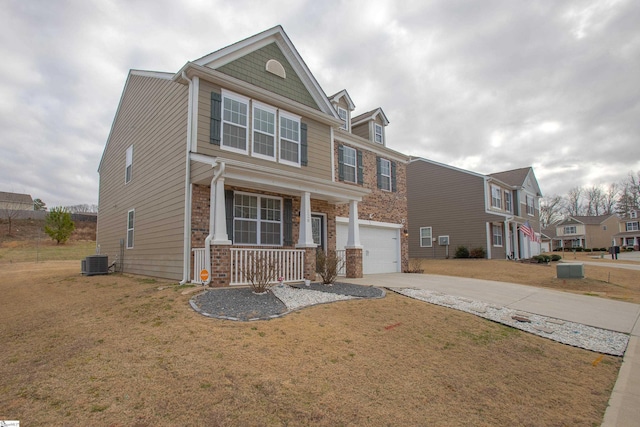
pixel 240 154
pixel 628 232
pixel 585 232
pixel 451 207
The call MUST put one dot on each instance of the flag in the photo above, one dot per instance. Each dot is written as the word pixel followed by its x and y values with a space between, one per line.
pixel 528 231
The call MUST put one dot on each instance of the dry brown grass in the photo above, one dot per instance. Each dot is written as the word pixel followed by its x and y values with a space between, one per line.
pixel 607 282
pixel 118 351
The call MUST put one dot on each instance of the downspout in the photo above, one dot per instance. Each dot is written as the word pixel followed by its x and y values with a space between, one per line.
pixel 212 195
pixel 186 244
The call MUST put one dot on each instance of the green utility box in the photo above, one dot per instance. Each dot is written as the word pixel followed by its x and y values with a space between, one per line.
pixel 570 271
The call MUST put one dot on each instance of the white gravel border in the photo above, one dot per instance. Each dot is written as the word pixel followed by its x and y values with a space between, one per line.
pixel 574 334
pixel 295 298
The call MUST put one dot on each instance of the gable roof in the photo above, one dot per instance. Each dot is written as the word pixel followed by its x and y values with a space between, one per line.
pixel 15 198
pixel 586 220
pixel 518 178
pixel 275 35
pixel 343 94
pixel 370 115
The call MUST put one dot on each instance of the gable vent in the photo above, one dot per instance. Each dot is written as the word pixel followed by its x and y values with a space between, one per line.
pixel 274 67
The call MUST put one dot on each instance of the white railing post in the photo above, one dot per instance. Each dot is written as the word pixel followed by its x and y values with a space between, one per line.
pixel 290 263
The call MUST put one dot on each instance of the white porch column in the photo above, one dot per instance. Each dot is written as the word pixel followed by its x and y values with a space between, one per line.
pixel 353 237
pixel 218 214
pixel 305 240
pixel 507 238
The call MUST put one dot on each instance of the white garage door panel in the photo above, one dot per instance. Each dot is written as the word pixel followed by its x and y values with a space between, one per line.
pixel 380 248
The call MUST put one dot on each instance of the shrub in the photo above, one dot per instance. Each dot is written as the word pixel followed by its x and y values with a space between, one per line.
pixel 587 250
pixel 59 225
pixel 261 272
pixel 415 266
pixel 555 257
pixel 477 253
pixel 545 258
pixel 328 265
pixel 462 252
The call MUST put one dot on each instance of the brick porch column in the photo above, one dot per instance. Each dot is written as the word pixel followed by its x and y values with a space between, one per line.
pixel 353 258
pixel 220 265
pixel 310 264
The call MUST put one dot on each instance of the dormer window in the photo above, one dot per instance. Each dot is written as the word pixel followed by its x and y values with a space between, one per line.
pixel 344 115
pixel 633 214
pixel 378 133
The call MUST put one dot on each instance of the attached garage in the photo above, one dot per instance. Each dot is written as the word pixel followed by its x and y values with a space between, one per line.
pixel 380 245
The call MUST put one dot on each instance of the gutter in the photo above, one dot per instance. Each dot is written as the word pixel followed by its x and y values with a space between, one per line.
pixel 186 259
pixel 212 197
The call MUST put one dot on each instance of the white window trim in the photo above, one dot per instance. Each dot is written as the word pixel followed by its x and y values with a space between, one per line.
pixel 246 101
pixel 346 124
pixel 386 176
pixel 377 126
pixel 568 227
pixel 430 237
pixel 633 215
pixel 533 205
pixel 508 203
pixel 495 189
pixel 128 173
pixel 131 229
pixel 500 234
pixel 354 166
pixel 274 111
pixel 258 220
pixel 634 226
pixel 287 115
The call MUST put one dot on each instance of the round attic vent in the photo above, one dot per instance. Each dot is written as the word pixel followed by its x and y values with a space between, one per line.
pixel 275 67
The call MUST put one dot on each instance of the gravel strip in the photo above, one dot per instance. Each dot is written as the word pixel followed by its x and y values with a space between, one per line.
pixel 574 334
pixel 295 298
pixel 345 289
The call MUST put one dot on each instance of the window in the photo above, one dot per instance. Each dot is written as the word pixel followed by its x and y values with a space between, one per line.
pixel 385 174
pixel 425 237
pixel 289 139
pixel 257 220
pixel 349 161
pixel 507 201
pixel 497 234
pixel 570 229
pixel 378 133
pixel 633 214
pixel 235 110
pixel 129 165
pixel 264 131
pixel 632 226
pixel 345 118
pixel 496 197
pixel 530 206
pixel 130 220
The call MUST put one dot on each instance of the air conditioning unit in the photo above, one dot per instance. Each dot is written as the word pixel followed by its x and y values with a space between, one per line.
pixel 443 240
pixel 95 264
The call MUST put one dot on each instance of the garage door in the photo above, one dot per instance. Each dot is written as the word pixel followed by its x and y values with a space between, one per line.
pixel 380 247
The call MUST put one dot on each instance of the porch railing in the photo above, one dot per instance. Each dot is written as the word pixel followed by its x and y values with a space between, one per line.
pixel 199 264
pixel 290 263
pixel 341 253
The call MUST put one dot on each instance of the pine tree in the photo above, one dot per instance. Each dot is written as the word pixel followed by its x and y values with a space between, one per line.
pixel 59 225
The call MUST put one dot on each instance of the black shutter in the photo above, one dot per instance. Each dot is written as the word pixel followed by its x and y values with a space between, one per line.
pixel 360 167
pixel 393 177
pixel 287 222
pixel 216 117
pixel 340 162
pixel 228 206
pixel 303 144
pixel 379 171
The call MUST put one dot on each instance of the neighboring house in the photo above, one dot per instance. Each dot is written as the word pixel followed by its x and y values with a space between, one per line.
pixel 241 153
pixel 16 201
pixel 547 235
pixel 451 207
pixel 585 232
pixel 628 232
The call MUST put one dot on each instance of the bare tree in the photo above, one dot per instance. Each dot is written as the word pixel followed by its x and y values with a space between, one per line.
pixel 550 210
pixel 609 199
pixel 10 211
pixel 573 201
pixel 629 194
pixel 82 208
pixel 594 200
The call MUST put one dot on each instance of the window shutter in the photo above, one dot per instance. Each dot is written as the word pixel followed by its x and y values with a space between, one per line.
pixel 216 117
pixel 287 222
pixel 303 144
pixel 393 177
pixel 228 202
pixel 340 162
pixel 360 168
pixel 379 171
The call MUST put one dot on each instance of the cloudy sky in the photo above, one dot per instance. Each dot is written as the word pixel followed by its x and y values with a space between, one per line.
pixel 487 85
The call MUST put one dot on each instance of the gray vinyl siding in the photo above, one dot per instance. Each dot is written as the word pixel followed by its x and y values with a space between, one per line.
pixel 153 117
pixel 318 140
pixel 362 130
pixel 452 203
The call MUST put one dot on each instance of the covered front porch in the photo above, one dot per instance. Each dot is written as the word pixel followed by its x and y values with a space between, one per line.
pixel 241 213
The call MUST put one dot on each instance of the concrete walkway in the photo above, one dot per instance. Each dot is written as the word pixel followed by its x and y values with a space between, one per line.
pixel 624 404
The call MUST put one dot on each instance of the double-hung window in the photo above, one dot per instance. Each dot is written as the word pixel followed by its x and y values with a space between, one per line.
pixel 425 237
pixel 345 117
pixel 496 197
pixel 497 235
pixel 632 226
pixel 507 201
pixel 385 174
pixel 350 164
pixel 289 139
pixel 264 131
pixel 235 113
pixel 378 133
pixel 570 229
pixel 128 172
pixel 633 214
pixel 530 206
pixel 130 225
pixel 257 220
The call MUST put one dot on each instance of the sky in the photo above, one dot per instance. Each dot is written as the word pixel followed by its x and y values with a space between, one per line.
pixel 486 86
